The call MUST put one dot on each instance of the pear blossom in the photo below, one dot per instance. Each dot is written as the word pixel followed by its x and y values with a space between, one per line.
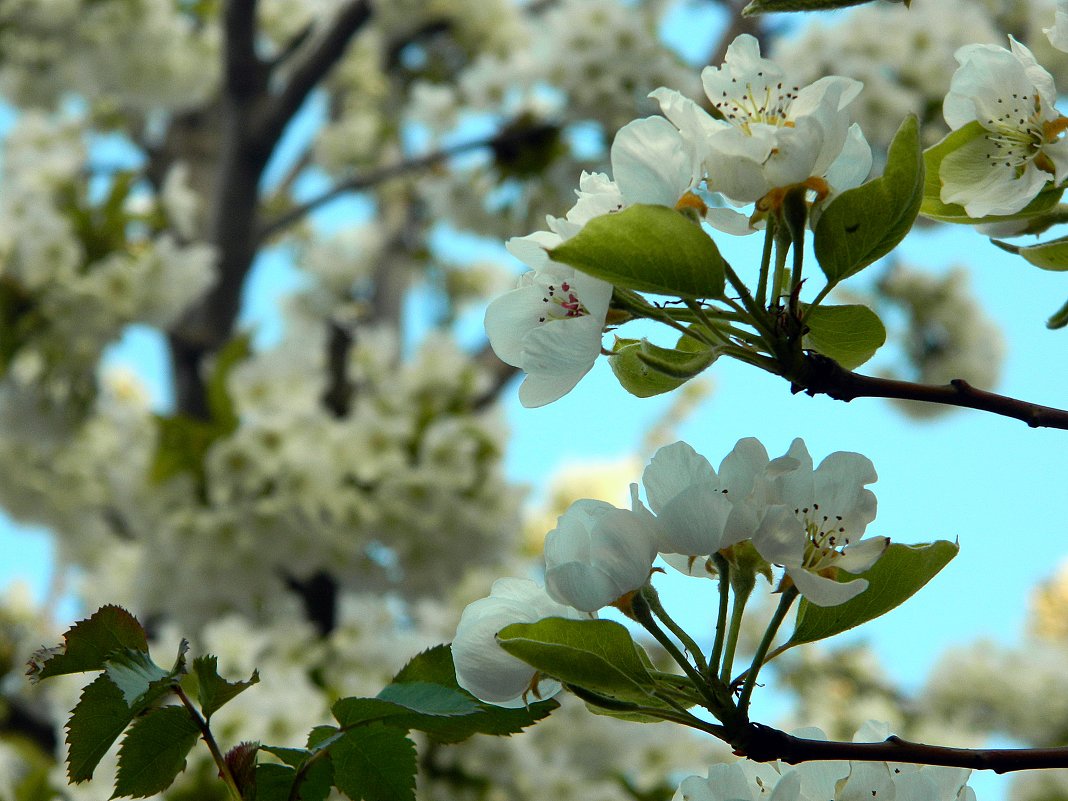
pixel 772 136
pixel 814 523
pixel 485 669
pixel 701 511
pixel 598 553
pixel 1058 34
pixel 1022 150
pixel 550 325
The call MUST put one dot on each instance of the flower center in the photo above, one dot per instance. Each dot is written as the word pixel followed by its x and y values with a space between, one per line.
pixel 1020 133
pixel 761 104
pixel 825 535
pixel 561 302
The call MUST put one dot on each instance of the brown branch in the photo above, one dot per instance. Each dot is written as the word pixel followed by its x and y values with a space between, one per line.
pixel 509 137
pixel 819 375
pixel 244 72
pixel 764 744
pixel 313 65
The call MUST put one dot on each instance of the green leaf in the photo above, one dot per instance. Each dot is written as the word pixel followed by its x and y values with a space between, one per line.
pixel 435 666
pixel 273 782
pixel 848 334
pixel 934 208
pixel 87 644
pixel 135 674
pixel 316 781
pixel 153 752
pixel 900 572
pixel 649 249
pixel 1059 319
pixel 375 763
pixel 95 723
pixel 774 6
pixel 220 403
pixel 1052 255
pixel 213 691
pixel 599 655
pixel 863 224
pixel 429 699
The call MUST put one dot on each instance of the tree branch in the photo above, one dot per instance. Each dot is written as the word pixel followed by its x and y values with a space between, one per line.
pixel 244 72
pixel 764 744
pixel 508 137
pixel 819 375
pixel 313 66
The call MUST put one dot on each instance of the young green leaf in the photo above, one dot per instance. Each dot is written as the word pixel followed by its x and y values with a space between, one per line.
pixel 375 763
pixel 153 752
pixel 649 249
pixel 848 334
pixel 137 675
pixel 1052 255
pixel 241 761
pixel 900 572
pixel 863 224
pixel 644 369
pixel 316 780
pixel 435 666
pixel 213 691
pixel 95 723
pixel 599 655
pixel 932 205
pixel 1059 319
pixel 87 644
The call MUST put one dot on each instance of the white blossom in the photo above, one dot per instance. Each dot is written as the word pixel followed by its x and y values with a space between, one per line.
pixel 1022 149
pixel 485 669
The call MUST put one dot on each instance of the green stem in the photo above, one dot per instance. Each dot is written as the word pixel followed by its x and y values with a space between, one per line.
pixel 717 695
pixel 823 293
pixel 795 275
pixel 785 601
pixel 706 321
pixel 740 599
pixel 765 264
pixel 721 619
pixel 653 599
pixel 209 739
pixel 782 248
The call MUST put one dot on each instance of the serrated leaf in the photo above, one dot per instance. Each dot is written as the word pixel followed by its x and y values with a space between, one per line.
pixel 316 780
pixel 598 655
pixel 134 673
pixel 935 209
pixel 153 752
pixel 375 763
pixel 435 666
pixel 98 719
pixel 1052 255
pixel 273 782
pixel 213 691
pixel 87 644
pixel 429 699
pixel 649 249
pixel 848 334
pixel 863 224
pixel 900 572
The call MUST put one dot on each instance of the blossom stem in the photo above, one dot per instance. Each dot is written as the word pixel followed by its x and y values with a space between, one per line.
pixel 765 264
pixel 717 694
pixel 653 599
pixel 741 597
pixel 782 247
pixel 679 716
pixel 724 569
pixel 795 275
pixel 785 602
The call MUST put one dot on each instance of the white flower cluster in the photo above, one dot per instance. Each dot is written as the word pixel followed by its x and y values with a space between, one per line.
pixel 809 521
pixel 772 137
pixel 835 780
pixel 129 55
